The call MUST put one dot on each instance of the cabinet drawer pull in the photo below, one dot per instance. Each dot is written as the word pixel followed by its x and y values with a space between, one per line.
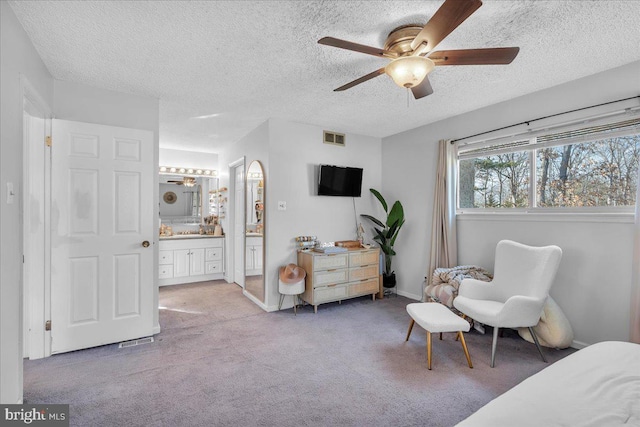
pixel 331 286
pixel 333 269
pixel 364 280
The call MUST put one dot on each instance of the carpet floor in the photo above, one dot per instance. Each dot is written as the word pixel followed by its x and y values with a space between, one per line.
pixel 222 361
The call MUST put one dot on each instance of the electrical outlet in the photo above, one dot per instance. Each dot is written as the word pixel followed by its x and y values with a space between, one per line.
pixel 282 206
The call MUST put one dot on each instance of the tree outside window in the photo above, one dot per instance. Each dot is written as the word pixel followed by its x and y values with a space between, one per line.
pixel 599 173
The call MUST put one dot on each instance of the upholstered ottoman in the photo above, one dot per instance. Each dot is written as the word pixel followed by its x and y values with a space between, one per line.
pixel 435 317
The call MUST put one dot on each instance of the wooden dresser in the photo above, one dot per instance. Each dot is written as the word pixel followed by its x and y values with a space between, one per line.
pixel 339 276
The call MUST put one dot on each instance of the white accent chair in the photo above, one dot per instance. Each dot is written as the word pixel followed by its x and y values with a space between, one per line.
pixel 515 297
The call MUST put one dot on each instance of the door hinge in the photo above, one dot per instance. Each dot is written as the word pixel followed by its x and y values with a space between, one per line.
pixel 47 325
pixel 47 141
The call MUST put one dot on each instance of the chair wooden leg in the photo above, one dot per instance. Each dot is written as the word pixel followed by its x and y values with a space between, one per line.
pixel 429 350
pixel 535 340
pixel 493 346
pixel 464 347
pixel 410 328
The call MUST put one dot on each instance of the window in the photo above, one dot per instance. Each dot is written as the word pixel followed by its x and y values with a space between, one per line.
pixel 585 166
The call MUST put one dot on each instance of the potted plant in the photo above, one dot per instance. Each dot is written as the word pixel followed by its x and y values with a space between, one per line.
pixel 386 233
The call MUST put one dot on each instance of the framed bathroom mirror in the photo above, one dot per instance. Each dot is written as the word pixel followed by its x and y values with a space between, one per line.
pixel 184 199
pixel 254 230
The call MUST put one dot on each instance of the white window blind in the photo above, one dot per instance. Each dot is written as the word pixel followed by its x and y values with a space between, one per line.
pixel 602 128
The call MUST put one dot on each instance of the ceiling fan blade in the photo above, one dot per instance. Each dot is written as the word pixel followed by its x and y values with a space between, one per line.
pixel 496 55
pixel 343 44
pixel 423 89
pixel 362 79
pixel 446 19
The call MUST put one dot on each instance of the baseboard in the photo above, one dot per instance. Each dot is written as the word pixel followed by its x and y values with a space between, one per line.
pixel 410 295
pixel 255 300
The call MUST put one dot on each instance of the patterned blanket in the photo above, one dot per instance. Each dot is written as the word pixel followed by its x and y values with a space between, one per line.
pixel 446 281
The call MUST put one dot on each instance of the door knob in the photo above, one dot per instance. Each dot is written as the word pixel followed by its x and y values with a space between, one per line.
pixel 145 244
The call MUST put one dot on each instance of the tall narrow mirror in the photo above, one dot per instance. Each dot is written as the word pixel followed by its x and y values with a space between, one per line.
pixel 254 231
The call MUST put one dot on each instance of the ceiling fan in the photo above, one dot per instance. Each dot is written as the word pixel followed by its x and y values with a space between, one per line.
pixel 410 48
pixel 187 181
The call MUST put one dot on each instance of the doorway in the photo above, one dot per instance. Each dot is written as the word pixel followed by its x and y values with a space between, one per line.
pixel 36 130
pixel 237 172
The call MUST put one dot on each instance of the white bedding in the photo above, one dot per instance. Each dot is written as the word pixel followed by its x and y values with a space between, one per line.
pixel 597 386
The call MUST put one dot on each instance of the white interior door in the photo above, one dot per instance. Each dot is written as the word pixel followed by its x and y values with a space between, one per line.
pixel 101 213
pixel 239 226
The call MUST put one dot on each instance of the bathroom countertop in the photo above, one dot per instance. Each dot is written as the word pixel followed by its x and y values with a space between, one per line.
pixel 190 236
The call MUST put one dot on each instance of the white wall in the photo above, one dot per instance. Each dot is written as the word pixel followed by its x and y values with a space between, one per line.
pixel 188 159
pixel 290 153
pixel 17 56
pixel 593 286
pixel 295 151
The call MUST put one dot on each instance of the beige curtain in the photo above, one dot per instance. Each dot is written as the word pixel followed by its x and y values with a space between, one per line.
pixel 635 275
pixel 444 249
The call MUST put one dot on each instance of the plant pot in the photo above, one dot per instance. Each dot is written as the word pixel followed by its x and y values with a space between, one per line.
pixel 389 281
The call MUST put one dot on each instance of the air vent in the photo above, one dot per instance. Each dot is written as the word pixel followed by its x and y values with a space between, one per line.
pixel 334 138
pixel 134 343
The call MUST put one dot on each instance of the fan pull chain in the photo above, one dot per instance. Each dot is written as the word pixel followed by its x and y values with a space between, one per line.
pixel 408 97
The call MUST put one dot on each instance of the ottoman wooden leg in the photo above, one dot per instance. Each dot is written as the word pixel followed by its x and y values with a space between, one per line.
pixel 464 347
pixel 410 328
pixel 429 350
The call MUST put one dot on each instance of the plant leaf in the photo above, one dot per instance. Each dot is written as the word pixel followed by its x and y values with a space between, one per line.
pixel 396 214
pixel 374 220
pixel 383 202
pixel 393 239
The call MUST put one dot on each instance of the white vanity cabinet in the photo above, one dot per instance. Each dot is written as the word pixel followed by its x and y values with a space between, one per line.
pixel 253 256
pixel 190 259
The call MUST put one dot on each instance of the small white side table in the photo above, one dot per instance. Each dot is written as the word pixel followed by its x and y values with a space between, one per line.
pixel 294 289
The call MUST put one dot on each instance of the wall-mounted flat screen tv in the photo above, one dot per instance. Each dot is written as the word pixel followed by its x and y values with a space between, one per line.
pixel 339 181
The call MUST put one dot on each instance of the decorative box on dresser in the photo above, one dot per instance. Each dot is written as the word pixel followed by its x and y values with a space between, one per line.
pixel 339 276
pixel 190 258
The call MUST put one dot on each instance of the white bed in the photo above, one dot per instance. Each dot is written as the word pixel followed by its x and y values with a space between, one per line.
pixel 597 386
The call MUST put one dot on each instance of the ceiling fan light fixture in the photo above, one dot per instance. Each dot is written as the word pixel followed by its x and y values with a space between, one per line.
pixel 189 181
pixel 409 71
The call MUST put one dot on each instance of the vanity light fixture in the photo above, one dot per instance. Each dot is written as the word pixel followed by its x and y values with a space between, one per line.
pixel 254 175
pixel 187 171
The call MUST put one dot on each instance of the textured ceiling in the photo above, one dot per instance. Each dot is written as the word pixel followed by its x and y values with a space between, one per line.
pixel 247 61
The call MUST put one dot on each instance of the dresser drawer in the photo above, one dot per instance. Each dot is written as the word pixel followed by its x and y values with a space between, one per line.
pixel 213 254
pixel 329 277
pixel 213 267
pixel 165 271
pixel 330 293
pixel 330 262
pixel 357 259
pixel 365 287
pixel 166 257
pixel 368 272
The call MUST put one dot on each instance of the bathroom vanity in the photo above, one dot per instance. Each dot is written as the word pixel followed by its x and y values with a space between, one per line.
pixel 190 258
